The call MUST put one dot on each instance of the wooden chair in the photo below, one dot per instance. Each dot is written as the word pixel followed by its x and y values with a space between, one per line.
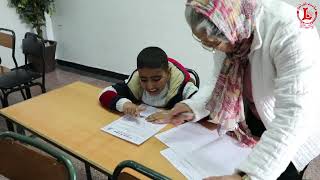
pixel 23 158
pixel 119 174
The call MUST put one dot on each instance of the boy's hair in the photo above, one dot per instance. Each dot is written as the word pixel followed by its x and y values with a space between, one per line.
pixel 152 57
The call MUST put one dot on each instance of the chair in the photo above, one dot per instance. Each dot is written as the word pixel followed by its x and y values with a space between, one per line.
pixel 22 77
pixel 118 173
pixel 195 76
pixel 23 157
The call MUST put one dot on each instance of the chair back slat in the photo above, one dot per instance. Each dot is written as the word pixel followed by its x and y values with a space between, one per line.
pixel 23 158
pixel 6 40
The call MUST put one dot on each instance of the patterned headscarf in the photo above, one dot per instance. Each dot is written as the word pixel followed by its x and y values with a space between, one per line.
pixel 235 18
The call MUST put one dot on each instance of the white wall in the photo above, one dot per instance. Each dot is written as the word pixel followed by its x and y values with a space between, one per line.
pixel 9 19
pixel 110 34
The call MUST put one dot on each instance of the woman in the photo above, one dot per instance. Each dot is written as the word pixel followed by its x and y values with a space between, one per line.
pixel 269 62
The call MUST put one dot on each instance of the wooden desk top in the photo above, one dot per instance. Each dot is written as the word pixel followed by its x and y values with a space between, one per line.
pixel 71 117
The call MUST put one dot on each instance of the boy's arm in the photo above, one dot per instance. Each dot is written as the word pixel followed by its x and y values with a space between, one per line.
pixel 113 97
pixel 189 90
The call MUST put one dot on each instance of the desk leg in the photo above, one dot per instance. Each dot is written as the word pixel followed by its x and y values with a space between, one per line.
pixel 6 104
pixel 10 126
pixel 88 172
pixel 20 130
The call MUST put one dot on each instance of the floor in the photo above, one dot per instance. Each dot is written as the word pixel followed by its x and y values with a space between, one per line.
pixel 65 75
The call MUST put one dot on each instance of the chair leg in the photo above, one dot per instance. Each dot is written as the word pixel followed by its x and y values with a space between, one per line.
pixel 23 95
pixel 43 88
pixel 28 92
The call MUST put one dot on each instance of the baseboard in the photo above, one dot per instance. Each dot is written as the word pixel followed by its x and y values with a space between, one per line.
pixel 93 70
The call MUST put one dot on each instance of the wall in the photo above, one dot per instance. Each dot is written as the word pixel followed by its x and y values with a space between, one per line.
pixel 9 19
pixel 110 34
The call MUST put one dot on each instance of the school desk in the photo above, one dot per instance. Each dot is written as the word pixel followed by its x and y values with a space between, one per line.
pixel 71 117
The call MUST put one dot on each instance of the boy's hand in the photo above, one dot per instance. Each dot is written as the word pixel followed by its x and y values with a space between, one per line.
pixel 132 109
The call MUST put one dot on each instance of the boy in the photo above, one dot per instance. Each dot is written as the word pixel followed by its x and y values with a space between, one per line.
pixel 159 81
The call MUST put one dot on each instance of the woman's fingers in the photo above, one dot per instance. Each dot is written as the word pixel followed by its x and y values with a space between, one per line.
pixel 180 114
pixel 182 118
pixel 158 116
pixel 162 121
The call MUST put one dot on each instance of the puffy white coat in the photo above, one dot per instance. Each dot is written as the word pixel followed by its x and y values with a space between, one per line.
pixel 285 75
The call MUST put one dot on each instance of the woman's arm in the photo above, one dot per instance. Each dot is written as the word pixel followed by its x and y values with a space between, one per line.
pixel 294 56
pixel 199 100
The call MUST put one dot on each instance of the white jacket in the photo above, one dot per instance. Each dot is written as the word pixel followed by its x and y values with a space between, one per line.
pixel 284 72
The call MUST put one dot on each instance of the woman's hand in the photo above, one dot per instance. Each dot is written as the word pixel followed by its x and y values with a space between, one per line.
pixel 132 109
pixel 159 117
pixel 180 113
pixel 230 177
pixel 176 116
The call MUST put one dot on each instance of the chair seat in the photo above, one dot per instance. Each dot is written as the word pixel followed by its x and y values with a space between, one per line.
pixel 17 77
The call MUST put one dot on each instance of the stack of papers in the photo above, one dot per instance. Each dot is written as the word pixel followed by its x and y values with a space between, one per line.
pixel 198 152
pixel 135 130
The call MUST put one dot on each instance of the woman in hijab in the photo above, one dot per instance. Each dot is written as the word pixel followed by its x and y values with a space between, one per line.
pixel 265 64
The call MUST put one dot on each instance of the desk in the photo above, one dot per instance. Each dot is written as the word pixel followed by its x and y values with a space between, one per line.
pixel 71 117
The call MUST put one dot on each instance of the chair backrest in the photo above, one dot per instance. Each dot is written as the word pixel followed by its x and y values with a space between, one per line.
pixel 195 76
pixel 8 40
pixel 23 157
pixel 33 47
pixel 119 174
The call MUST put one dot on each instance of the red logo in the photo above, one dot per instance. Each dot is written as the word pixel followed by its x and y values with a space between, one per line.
pixel 307 14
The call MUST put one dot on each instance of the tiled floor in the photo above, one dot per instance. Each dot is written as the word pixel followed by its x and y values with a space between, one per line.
pixel 64 75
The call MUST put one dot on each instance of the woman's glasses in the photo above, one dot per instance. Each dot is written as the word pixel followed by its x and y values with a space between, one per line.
pixel 213 43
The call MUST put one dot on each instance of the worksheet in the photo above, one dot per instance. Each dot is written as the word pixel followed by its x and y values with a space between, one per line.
pixel 198 152
pixel 134 129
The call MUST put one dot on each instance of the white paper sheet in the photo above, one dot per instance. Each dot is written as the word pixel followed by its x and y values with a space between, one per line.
pixel 198 152
pixel 187 137
pixel 181 164
pixel 218 158
pixel 135 130
pixel 148 110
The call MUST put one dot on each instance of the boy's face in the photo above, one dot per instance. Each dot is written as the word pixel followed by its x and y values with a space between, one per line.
pixel 153 80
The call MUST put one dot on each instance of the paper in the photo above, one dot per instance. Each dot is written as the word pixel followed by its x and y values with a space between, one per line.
pixel 202 152
pixel 135 130
pixel 181 164
pixel 187 137
pixel 218 158
pixel 148 110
